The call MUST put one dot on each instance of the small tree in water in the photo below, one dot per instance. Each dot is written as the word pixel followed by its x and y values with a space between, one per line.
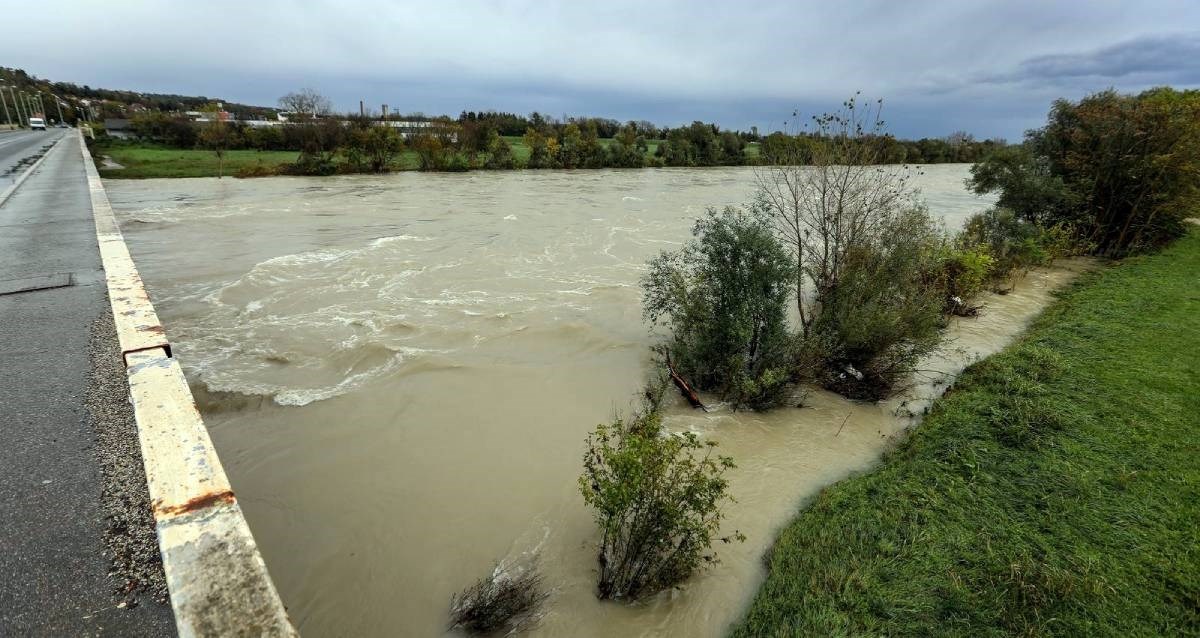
pixel 859 248
pixel 657 498
pixel 724 296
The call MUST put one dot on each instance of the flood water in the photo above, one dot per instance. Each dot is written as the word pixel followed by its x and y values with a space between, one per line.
pixel 399 373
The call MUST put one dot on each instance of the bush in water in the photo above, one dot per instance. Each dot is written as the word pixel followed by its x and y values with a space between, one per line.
pixel 724 296
pixel 860 251
pixel 882 315
pixel 503 599
pixel 657 497
pixel 961 272
pixel 1016 245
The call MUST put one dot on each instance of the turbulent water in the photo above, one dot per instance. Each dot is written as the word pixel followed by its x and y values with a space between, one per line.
pixel 399 373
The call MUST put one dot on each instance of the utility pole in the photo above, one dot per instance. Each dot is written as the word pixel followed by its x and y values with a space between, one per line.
pixel 58 103
pixel 21 121
pixel 7 117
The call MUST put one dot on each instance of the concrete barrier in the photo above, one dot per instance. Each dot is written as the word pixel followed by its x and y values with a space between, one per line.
pixel 218 581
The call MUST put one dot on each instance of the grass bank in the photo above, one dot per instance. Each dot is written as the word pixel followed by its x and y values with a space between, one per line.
pixel 1055 490
pixel 145 161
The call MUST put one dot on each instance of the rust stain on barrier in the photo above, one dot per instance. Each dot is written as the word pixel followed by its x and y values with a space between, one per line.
pixel 197 503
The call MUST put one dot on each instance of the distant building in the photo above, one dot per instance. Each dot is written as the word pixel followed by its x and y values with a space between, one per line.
pixel 118 127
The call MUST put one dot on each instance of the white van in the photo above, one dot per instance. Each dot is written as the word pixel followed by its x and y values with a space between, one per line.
pixel 37 124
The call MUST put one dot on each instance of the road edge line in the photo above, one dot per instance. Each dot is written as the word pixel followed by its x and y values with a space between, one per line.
pixel 218 580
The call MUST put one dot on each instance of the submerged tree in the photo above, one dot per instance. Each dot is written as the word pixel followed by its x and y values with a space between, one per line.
pixel 505 599
pixel 724 297
pixel 825 210
pixel 857 245
pixel 657 497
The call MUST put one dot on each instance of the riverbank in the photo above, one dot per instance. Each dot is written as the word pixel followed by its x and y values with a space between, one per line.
pixel 1054 490
pixel 137 160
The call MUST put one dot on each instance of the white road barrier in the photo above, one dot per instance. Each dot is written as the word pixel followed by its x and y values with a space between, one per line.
pixel 218 581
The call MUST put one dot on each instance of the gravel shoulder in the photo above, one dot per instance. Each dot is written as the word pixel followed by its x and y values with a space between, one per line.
pixel 129 537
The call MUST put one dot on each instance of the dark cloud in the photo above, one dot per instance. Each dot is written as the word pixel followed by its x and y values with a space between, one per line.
pixel 1170 59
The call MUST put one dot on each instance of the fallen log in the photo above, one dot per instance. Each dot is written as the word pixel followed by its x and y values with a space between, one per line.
pixel 684 389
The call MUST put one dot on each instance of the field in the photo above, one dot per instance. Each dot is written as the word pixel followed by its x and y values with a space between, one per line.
pixel 1054 490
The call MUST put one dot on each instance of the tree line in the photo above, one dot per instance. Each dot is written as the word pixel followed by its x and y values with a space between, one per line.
pixel 493 140
pixel 958 147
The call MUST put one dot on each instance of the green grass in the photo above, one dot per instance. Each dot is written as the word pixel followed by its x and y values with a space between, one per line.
pixel 149 161
pixel 1054 491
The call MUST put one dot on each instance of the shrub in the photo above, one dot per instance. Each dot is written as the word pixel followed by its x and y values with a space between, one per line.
pixel 628 149
pixel 500 600
pixel 724 297
pixel 882 316
pixel 318 142
pixel 173 130
pixel 861 250
pixel 368 146
pixel 1025 184
pixel 1016 245
pixel 256 170
pixel 960 273
pixel 656 497
pixel 500 155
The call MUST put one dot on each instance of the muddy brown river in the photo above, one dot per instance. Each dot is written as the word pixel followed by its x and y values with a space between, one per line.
pixel 399 373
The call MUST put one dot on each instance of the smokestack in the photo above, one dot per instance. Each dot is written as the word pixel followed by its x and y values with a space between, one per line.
pixel 362 111
pixel 385 112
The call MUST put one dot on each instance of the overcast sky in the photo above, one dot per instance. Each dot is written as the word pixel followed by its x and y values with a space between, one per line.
pixel 987 67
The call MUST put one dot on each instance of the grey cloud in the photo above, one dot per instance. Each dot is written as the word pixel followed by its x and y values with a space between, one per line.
pixel 1173 58
pixel 988 66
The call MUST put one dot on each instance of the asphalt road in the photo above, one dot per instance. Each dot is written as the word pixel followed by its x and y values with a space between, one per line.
pixel 20 145
pixel 54 575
